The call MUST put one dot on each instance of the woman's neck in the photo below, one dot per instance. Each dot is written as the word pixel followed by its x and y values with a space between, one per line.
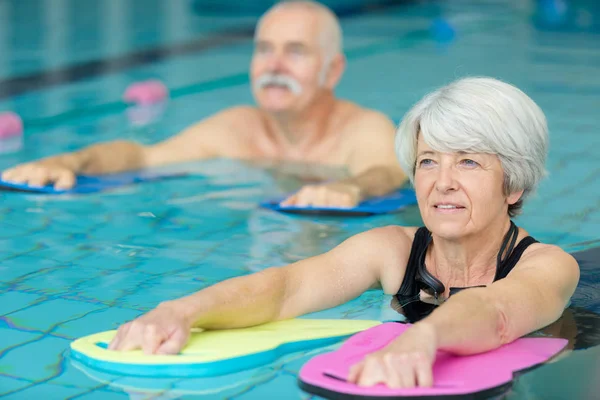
pixel 469 261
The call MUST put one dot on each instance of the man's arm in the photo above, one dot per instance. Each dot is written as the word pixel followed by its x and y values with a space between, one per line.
pixel 203 140
pixel 375 170
pixel 216 136
pixel 373 163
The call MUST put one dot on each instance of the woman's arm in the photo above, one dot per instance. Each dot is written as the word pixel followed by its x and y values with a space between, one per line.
pixel 276 293
pixel 531 297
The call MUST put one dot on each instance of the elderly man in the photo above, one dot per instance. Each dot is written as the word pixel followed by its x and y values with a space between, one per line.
pixel 296 65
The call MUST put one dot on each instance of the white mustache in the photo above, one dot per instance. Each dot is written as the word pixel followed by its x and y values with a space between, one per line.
pixel 279 80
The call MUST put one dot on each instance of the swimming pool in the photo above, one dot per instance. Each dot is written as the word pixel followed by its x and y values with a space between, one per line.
pixel 72 266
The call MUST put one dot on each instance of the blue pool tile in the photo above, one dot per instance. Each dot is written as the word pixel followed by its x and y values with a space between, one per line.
pixel 222 387
pixel 102 320
pixel 73 376
pixel 163 265
pixel 50 313
pixel 116 382
pixel 12 301
pixel 161 288
pixel 59 280
pixel 110 395
pixel 10 384
pixel 58 250
pixel 121 228
pixel 24 267
pixel 12 337
pixel 17 246
pixel 150 296
pixel 283 387
pixel 107 258
pixel 47 353
pixel 45 391
pixel 294 365
pixel 108 287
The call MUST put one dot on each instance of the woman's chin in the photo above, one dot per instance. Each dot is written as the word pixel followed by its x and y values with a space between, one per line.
pixel 447 229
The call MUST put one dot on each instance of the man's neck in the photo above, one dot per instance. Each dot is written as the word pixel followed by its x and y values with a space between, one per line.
pixel 300 131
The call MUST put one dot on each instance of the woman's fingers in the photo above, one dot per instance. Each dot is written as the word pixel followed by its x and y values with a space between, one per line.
pixel 372 373
pixel 395 370
pixel 400 370
pixel 174 343
pixel 424 372
pixel 163 330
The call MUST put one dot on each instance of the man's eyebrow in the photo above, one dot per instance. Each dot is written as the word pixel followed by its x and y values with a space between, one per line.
pixel 295 44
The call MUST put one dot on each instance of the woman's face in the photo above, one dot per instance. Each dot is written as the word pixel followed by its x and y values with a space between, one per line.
pixel 460 193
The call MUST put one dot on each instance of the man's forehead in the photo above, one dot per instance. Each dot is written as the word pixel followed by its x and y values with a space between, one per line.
pixel 284 42
pixel 289 25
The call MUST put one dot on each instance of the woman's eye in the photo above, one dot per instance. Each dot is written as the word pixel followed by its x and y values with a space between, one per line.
pixel 425 162
pixel 469 163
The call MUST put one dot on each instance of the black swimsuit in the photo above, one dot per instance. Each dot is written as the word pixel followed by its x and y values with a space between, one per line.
pixel 417 277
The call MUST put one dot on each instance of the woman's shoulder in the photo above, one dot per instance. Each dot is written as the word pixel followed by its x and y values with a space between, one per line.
pixel 545 255
pixel 390 246
pixel 394 232
pixel 538 248
pixel 550 266
pixel 387 240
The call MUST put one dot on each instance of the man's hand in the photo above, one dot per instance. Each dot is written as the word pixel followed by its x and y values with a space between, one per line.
pixel 40 174
pixel 337 194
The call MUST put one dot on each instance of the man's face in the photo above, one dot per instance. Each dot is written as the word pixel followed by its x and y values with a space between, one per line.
pixel 287 69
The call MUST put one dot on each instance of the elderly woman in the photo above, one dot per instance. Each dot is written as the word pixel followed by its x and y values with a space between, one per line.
pixel 469 279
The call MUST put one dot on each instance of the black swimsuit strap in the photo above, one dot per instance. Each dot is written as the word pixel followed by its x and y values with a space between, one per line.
pixel 416 275
pixel 416 270
pixel 507 265
pixel 511 236
pixel 418 250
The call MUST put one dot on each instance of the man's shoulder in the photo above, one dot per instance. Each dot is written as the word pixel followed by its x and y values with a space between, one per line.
pixel 359 123
pixel 237 120
pixel 358 117
pixel 241 113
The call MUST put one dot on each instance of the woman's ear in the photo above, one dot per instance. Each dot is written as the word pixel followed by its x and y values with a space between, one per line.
pixel 514 197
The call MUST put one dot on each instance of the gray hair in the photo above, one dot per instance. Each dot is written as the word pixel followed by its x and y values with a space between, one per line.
pixel 480 115
pixel 331 31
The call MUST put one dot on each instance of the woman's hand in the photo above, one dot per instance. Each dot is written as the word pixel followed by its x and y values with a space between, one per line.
pixel 164 330
pixel 406 362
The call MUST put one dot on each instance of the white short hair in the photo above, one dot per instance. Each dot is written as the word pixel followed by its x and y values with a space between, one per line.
pixel 480 115
pixel 331 31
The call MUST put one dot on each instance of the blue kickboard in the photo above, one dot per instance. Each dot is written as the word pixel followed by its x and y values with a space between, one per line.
pixel 389 203
pixel 91 184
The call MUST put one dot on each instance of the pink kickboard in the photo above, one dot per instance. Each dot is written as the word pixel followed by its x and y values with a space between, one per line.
pixel 453 375
pixel 11 125
pixel 146 92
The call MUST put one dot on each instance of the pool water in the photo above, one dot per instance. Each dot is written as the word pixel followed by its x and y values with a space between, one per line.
pixel 75 265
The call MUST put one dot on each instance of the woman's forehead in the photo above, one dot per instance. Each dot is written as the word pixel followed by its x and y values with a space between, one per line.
pixel 423 149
